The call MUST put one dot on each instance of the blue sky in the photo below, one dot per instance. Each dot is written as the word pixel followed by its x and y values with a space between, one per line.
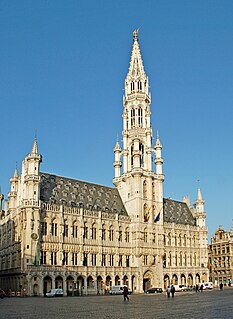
pixel 63 65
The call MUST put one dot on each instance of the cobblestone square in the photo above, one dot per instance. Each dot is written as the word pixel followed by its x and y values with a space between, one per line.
pixel 209 304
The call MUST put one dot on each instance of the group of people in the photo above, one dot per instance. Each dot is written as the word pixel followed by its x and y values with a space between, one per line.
pixel 171 291
pixel 199 288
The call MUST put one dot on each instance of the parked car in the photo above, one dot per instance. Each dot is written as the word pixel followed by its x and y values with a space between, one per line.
pixel 118 290
pixel 2 293
pixel 55 293
pixel 180 287
pixel 208 285
pixel 154 291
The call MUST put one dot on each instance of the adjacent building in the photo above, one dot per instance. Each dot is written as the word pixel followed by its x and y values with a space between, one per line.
pixel 57 231
pixel 221 257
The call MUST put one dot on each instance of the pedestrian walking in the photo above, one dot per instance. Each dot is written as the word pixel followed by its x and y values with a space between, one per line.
pixel 201 288
pixel 173 290
pixel 125 293
pixel 221 286
pixel 197 288
pixel 168 291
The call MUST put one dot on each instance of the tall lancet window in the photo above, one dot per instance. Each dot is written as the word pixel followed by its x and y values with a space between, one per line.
pixel 141 149
pixel 132 155
pixel 144 189
pixel 140 122
pixel 132 86
pixel 139 86
pixel 133 117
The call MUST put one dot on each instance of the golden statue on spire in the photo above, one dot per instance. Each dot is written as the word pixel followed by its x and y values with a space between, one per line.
pixel 135 34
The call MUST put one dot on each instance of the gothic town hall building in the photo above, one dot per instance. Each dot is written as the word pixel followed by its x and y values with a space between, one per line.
pixel 83 237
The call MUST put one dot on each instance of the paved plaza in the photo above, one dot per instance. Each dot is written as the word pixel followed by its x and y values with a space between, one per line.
pixel 209 304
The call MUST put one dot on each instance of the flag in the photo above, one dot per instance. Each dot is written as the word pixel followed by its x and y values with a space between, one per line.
pixel 157 218
pixel 36 261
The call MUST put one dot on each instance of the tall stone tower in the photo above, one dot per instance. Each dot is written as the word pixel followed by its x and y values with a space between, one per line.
pixel 139 186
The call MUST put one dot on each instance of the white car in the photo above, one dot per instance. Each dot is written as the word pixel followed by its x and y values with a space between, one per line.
pixel 180 287
pixel 118 290
pixel 208 285
pixel 55 293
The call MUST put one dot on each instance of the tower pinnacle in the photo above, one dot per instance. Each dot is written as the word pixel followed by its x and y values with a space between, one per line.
pixel 135 34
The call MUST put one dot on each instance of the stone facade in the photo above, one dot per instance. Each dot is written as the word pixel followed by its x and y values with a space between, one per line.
pixel 221 257
pixel 57 231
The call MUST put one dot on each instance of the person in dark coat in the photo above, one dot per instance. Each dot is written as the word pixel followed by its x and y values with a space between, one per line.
pixel 173 290
pixel 125 293
pixel 201 288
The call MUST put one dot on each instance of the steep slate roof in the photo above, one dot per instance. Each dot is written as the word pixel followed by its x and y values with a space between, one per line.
pixel 177 212
pixel 75 193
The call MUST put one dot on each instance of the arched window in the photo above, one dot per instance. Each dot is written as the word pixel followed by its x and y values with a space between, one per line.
pixel 127 235
pixel 93 232
pixel 185 240
pixel 181 259
pixel 132 148
pixel 133 117
pixel 153 191
pixel 144 189
pixel 145 236
pixel 132 86
pixel 141 149
pixel 170 259
pixel 140 118
pixel 146 213
pixel 169 239
pixel 139 86
pixel 110 234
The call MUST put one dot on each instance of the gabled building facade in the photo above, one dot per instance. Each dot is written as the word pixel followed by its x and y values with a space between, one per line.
pixel 61 232
pixel 221 257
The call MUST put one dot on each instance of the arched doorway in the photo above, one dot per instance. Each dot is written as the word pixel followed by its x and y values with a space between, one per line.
pixel 47 284
pixel 174 279
pixel 90 285
pixel 190 280
pixel 80 285
pixel 108 284
pixel 99 285
pixel 125 280
pixel 198 280
pixel 166 281
pixel 59 282
pixel 204 277
pixel 147 280
pixel 133 283
pixel 117 280
pixel 70 287
pixel 183 279
pixel 35 290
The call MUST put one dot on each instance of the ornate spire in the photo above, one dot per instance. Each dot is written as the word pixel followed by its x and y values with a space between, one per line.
pixel 35 147
pixel 136 68
pixel 16 174
pixel 199 195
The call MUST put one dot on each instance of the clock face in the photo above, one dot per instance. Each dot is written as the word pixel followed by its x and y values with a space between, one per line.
pixel 34 236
